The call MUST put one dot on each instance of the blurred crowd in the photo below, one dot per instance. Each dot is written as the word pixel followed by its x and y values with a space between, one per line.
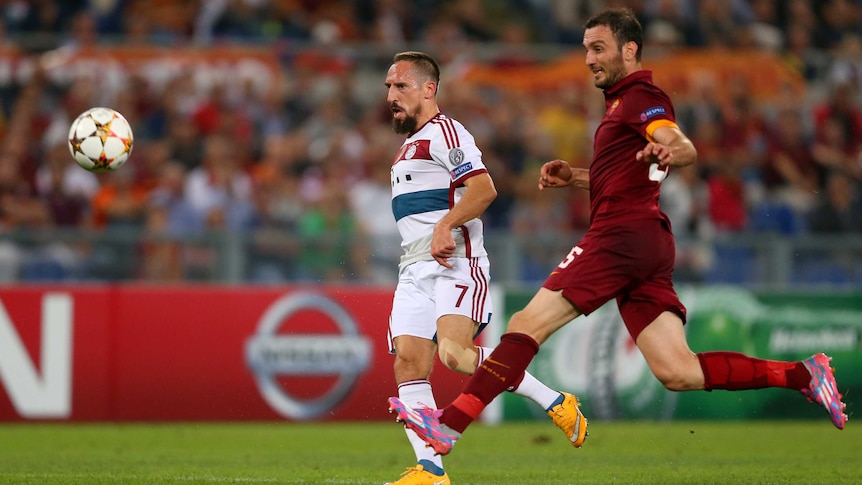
pixel 299 172
pixel 770 24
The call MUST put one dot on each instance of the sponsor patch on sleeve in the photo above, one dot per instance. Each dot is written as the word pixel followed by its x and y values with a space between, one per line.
pixel 654 111
pixel 461 170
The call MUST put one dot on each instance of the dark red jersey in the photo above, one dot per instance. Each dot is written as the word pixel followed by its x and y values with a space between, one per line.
pixel 621 187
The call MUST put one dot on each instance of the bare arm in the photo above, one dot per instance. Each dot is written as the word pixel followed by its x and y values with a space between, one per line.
pixel 478 196
pixel 558 173
pixel 670 148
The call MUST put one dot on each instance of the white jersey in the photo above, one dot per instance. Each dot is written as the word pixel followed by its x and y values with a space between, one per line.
pixel 428 177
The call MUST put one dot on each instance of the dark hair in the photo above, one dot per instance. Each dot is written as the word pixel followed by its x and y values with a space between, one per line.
pixel 623 24
pixel 422 61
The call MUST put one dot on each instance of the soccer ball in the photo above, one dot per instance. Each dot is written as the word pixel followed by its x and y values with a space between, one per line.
pixel 100 140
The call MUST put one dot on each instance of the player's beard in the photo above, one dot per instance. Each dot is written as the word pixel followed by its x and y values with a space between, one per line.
pixel 408 124
pixel 615 72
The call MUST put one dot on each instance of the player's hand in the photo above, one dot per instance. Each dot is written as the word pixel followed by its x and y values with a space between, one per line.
pixel 556 173
pixel 442 246
pixel 655 153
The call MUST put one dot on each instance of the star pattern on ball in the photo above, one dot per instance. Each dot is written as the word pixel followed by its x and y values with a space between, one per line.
pixel 100 140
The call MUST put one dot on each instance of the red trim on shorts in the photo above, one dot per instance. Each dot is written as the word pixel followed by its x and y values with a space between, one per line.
pixel 480 293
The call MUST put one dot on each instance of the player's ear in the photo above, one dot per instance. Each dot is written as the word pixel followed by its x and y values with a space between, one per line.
pixel 430 89
pixel 630 50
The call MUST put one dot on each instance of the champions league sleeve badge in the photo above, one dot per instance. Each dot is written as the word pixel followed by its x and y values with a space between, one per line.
pixel 456 156
pixel 456 160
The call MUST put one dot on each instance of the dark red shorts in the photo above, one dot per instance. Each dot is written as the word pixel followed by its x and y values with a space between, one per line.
pixel 632 262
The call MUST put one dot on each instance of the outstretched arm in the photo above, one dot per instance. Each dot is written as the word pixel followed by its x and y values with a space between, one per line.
pixel 670 147
pixel 558 173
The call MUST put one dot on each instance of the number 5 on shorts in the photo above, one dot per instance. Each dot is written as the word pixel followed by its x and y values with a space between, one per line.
pixel 571 256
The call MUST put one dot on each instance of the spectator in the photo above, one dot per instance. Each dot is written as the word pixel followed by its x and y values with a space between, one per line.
pixel 370 200
pixel 680 200
pixel 175 216
pixel 791 172
pixel 718 23
pixel 35 258
pixel 277 187
pixel 388 21
pixel 839 211
pixel 764 26
pixel 535 222
pixel 728 208
pixel 833 151
pixel 66 188
pixel 119 202
pixel 839 18
pixel 329 233
pixel 169 220
pixel 799 52
pixel 219 190
pixel 841 109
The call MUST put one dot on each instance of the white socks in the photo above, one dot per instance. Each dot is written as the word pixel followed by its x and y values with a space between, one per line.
pixel 530 387
pixel 416 394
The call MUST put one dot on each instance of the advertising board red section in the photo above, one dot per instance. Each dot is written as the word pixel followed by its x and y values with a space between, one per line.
pixel 141 353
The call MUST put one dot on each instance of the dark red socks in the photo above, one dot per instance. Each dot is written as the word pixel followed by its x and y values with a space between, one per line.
pixel 735 371
pixel 499 371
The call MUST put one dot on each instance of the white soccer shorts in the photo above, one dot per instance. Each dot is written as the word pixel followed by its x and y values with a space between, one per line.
pixel 426 291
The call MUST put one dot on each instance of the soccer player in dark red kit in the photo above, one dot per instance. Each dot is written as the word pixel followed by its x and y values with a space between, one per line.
pixel 627 254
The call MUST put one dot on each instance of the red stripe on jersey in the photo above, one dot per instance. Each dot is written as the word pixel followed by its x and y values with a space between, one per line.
pixel 460 182
pixel 448 130
pixel 467 248
pixel 451 124
pixel 445 135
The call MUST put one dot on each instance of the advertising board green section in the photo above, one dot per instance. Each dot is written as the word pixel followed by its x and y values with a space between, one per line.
pixel 595 358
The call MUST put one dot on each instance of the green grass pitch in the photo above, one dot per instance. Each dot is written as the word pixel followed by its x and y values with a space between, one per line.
pixel 709 452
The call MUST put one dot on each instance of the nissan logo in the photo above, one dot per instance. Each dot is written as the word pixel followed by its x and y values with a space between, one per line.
pixel 270 355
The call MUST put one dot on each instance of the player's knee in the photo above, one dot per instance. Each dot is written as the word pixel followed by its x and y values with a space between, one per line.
pixel 410 368
pixel 674 379
pixel 456 357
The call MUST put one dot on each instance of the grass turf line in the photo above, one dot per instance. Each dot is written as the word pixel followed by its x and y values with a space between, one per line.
pixel 708 452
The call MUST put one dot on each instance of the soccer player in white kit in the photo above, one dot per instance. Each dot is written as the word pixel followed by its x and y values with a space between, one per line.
pixel 440 188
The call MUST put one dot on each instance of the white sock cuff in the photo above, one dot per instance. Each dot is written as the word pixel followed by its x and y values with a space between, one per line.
pixel 417 392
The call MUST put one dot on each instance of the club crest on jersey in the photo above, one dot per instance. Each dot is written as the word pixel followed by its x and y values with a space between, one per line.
pixel 456 156
pixel 415 150
pixel 655 110
pixel 614 106
pixel 411 151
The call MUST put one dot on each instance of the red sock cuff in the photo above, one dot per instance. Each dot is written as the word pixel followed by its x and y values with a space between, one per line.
pixel 707 381
pixel 521 338
pixel 469 405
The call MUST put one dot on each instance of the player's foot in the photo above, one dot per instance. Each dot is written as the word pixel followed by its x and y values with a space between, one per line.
pixel 823 389
pixel 568 417
pixel 416 475
pixel 426 423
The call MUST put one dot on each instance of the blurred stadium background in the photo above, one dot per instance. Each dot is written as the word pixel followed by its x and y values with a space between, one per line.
pixel 260 169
